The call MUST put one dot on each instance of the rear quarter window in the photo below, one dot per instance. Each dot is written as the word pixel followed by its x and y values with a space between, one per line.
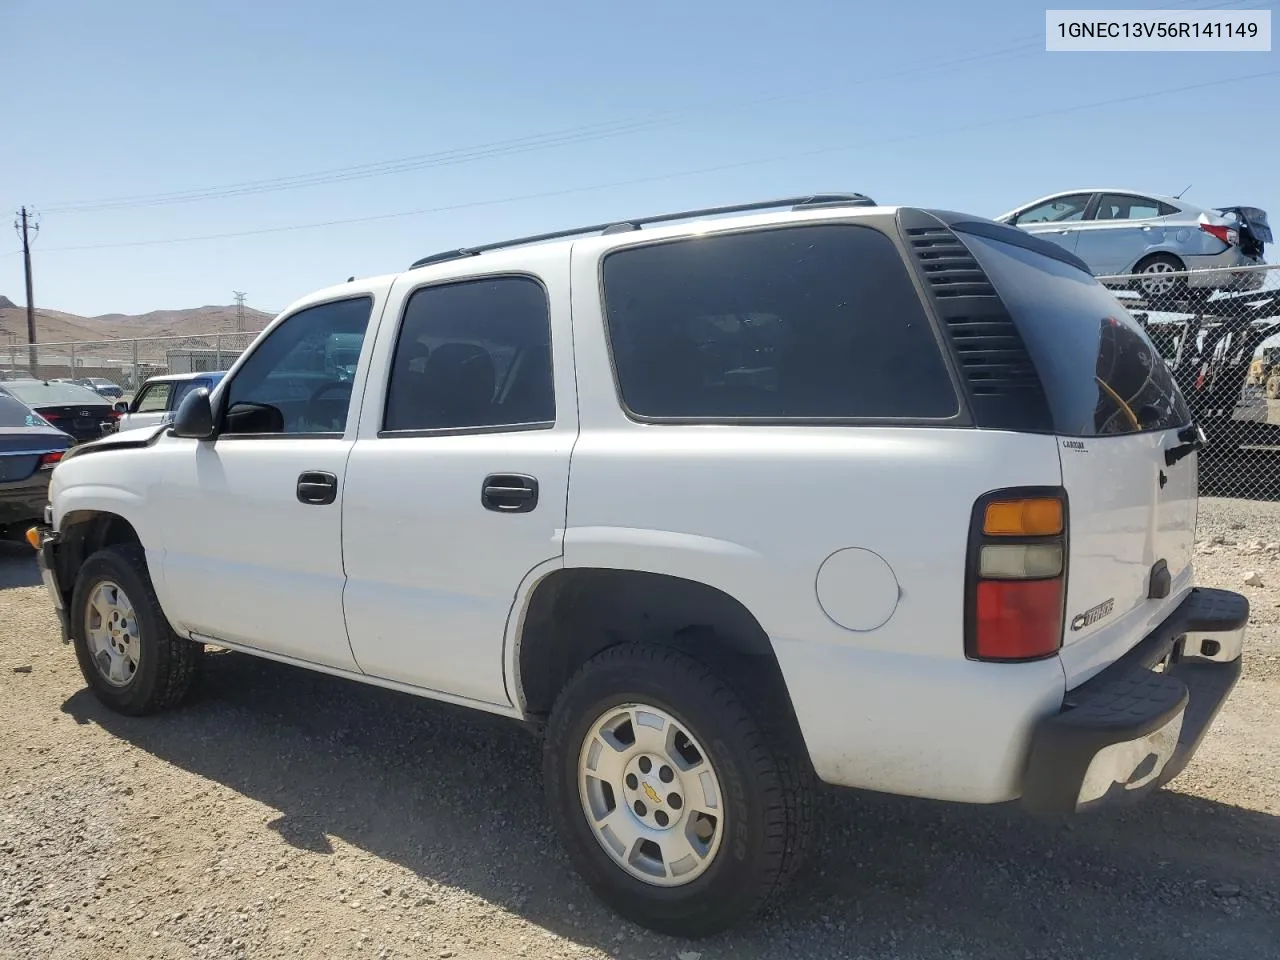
pixel 799 323
pixel 1100 371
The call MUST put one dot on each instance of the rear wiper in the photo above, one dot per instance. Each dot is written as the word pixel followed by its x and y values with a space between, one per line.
pixel 1192 438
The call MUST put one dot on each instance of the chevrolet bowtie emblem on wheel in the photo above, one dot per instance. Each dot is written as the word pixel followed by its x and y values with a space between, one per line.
pixel 652 794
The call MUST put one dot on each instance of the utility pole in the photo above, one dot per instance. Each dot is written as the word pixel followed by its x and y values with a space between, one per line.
pixel 27 226
pixel 239 310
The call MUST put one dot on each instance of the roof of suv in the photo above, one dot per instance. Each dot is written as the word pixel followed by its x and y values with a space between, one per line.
pixel 170 377
pixel 603 237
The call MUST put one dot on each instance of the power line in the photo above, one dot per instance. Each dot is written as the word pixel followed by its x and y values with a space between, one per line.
pixel 930 134
pixel 501 148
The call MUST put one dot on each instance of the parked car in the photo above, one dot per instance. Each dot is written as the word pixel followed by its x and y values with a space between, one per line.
pixel 715 506
pixel 160 396
pixel 104 387
pixel 30 447
pixel 1118 232
pixel 70 407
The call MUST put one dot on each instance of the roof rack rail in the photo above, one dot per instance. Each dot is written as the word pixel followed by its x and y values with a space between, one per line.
pixel 811 201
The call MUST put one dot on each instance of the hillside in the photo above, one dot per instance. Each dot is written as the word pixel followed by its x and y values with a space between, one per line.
pixel 53 326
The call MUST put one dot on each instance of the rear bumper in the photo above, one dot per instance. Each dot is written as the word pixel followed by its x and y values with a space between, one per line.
pixel 46 561
pixel 1135 726
pixel 23 501
pixel 1229 259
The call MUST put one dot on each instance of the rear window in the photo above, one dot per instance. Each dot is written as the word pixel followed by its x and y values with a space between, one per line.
pixel 1101 373
pixel 16 414
pixel 52 394
pixel 813 322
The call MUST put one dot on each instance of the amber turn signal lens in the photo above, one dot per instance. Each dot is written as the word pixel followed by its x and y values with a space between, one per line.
pixel 1036 517
pixel 33 537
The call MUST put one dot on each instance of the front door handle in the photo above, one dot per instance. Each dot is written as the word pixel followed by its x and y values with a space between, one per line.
pixel 317 487
pixel 509 493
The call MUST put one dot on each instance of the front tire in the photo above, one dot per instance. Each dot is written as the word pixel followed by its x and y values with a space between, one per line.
pixel 683 809
pixel 128 653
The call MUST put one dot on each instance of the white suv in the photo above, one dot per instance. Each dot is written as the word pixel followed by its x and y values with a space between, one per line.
pixel 900 499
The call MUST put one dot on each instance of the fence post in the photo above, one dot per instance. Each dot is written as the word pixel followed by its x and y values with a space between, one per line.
pixel 137 374
pixel 73 361
pixel 217 353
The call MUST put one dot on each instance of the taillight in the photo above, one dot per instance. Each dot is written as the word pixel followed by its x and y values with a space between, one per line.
pixel 1017 575
pixel 1227 235
pixel 50 460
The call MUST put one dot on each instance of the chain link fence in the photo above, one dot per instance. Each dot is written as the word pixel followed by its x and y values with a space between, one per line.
pixel 1219 332
pixel 126 363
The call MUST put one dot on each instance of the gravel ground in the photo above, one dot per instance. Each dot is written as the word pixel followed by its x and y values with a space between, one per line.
pixel 288 814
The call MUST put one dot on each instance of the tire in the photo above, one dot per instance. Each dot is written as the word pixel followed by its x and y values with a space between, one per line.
pixel 1170 288
pixel 1273 388
pixel 147 666
pixel 740 861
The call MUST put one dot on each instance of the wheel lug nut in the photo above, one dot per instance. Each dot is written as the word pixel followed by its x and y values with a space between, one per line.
pixel 674 801
pixel 632 782
pixel 645 765
pixel 661 818
pixel 666 775
pixel 640 808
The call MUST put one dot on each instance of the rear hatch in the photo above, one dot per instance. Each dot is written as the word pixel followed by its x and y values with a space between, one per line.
pixel 1255 231
pixel 1125 442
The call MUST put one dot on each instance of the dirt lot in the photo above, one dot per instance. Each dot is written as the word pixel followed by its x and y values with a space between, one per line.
pixel 284 814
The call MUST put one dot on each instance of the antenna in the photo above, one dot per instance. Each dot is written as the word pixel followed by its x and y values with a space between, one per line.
pixel 1178 196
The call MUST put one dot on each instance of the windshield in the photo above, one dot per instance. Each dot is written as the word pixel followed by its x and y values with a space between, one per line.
pixel 16 414
pixel 37 394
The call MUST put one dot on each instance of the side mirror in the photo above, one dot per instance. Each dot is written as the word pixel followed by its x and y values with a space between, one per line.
pixel 194 418
pixel 120 407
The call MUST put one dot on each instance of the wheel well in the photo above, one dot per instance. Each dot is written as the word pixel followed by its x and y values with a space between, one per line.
pixel 575 614
pixel 1159 255
pixel 83 534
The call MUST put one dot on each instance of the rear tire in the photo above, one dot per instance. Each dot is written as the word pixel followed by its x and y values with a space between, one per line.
pixel 128 653
pixel 1273 388
pixel 683 808
pixel 1156 284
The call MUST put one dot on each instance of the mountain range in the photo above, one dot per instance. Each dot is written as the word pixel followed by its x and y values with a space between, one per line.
pixel 55 326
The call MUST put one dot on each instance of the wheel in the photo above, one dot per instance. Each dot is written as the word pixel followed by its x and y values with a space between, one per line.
pixel 683 808
pixel 131 658
pixel 1273 388
pixel 1156 280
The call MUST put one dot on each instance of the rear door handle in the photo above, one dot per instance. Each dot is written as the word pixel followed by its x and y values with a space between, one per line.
pixel 509 493
pixel 317 487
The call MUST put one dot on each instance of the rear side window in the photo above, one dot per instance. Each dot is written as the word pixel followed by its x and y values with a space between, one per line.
pixel 814 322
pixel 1101 373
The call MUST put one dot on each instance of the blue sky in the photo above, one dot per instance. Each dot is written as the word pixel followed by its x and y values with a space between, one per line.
pixel 663 105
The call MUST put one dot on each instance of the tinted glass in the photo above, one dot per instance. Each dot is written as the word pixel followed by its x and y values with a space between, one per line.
pixel 1101 373
pixel 154 398
pixel 1057 210
pixel 298 380
pixel 16 414
pixel 37 394
pixel 473 354
pixel 803 322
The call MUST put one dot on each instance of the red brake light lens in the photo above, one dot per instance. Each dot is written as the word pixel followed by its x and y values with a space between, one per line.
pixel 1225 234
pixel 50 460
pixel 1018 619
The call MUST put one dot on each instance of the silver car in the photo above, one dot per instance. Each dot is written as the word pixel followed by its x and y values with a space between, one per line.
pixel 1119 232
